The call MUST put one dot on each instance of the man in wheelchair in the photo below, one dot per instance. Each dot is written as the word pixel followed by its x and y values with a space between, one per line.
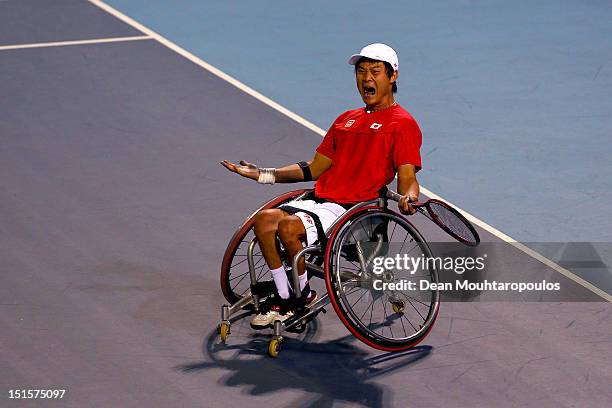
pixel 361 153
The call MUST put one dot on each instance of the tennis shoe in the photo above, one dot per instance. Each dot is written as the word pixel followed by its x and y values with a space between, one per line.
pixel 285 312
pixel 310 299
pixel 282 313
pixel 264 319
pixel 267 313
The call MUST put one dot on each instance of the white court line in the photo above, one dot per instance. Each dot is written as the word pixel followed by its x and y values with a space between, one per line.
pixel 198 61
pixel 75 42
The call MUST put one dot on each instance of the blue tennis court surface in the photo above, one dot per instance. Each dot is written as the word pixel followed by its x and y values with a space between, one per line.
pixel 114 211
pixel 513 99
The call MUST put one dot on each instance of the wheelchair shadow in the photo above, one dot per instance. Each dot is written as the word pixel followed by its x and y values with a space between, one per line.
pixel 330 371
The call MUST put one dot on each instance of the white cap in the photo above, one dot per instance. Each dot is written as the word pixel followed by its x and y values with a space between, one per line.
pixel 379 52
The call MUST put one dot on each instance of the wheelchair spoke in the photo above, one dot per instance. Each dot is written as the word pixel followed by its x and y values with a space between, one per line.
pixel 261 273
pixel 413 306
pixel 366 310
pixel 386 318
pixel 261 268
pixel 346 287
pixel 416 300
pixel 364 228
pixel 357 268
pixel 238 263
pixel 351 269
pixel 409 322
pixel 359 298
pixel 241 262
pixel 256 250
pixel 393 232
pixel 243 276
pixel 371 311
pixel 382 324
pixel 236 277
pixel 403 327
pixel 404 243
pixel 240 246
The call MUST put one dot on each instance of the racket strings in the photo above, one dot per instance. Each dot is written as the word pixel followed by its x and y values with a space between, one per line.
pixel 452 221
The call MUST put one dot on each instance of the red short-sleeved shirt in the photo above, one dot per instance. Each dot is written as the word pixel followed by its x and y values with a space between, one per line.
pixel 366 149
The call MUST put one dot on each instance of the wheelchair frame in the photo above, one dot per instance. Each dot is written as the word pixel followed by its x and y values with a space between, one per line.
pixel 297 322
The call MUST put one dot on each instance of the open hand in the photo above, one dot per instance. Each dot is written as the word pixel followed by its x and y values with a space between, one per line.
pixel 245 169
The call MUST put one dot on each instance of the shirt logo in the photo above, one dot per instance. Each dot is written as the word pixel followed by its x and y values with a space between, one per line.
pixel 349 123
pixel 375 126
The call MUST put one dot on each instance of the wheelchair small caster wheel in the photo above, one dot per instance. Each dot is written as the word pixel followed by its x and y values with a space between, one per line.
pixel 274 347
pixel 224 330
pixel 398 306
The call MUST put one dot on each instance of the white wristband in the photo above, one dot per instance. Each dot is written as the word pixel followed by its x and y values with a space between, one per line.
pixel 266 175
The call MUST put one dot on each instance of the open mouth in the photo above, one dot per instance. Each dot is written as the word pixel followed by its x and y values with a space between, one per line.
pixel 369 91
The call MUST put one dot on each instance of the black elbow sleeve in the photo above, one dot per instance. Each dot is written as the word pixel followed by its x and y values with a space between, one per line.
pixel 305 171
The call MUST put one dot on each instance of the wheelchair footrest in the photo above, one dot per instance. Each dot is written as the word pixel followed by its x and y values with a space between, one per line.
pixel 299 315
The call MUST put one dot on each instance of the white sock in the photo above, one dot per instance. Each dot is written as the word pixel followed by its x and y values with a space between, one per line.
pixel 303 281
pixel 281 282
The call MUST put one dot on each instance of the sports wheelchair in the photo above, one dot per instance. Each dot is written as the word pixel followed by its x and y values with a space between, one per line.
pixel 379 315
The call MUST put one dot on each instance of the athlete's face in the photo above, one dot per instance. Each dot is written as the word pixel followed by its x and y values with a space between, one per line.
pixel 375 87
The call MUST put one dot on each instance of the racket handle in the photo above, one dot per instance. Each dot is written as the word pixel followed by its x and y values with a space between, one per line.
pixel 392 195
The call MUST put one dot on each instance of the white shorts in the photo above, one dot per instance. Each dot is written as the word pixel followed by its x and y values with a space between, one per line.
pixel 327 212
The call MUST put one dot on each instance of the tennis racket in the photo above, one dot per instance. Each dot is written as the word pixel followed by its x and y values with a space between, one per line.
pixel 446 217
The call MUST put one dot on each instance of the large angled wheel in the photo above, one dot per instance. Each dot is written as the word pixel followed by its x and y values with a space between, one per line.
pixel 384 317
pixel 235 281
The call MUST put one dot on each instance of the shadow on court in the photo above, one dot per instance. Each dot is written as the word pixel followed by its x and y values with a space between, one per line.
pixel 331 371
